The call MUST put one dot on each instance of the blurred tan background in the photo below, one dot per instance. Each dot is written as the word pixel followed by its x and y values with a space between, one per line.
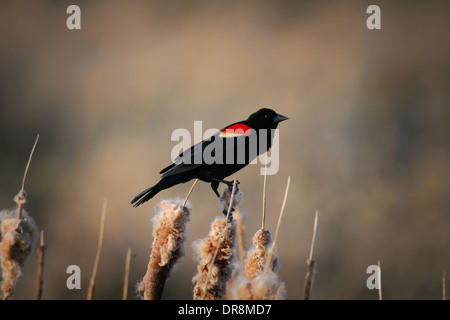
pixel 367 143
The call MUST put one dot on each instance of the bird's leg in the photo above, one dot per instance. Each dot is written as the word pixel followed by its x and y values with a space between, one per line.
pixel 214 186
pixel 228 183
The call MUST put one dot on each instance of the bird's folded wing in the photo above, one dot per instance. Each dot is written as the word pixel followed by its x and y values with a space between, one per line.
pixel 188 159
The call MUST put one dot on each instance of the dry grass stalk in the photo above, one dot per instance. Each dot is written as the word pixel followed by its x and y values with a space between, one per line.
pixel 189 193
pixel 263 225
pixel 40 273
pixel 216 252
pixel 91 289
pixel 19 237
pixel 20 198
pixel 443 286
pixel 310 264
pixel 271 252
pixel 127 272
pixel 380 295
pixel 169 232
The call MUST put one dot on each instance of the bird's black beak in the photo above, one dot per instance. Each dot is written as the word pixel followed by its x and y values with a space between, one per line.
pixel 279 118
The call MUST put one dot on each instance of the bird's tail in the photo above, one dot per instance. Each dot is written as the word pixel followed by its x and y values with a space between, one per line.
pixel 144 196
pixel 149 193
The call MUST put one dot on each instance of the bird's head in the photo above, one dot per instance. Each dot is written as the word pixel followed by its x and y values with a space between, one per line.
pixel 265 119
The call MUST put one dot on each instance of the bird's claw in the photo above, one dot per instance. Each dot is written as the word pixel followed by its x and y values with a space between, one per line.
pixel 231 183
pixel 225 212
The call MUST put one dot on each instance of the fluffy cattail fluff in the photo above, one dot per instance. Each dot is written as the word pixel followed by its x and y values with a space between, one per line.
pixel 18 240
pixel 256 283
pixel 257 256
pixel 223 234
pixel 169 232
pixel 266 286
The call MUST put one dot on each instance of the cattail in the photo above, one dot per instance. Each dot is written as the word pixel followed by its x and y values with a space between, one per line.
pixel 260 281
pixel 169 232
pixel 213 274
pixel 215 253
pixel 19 237
pixel 253 284
pixel 264 284
pixel 257 256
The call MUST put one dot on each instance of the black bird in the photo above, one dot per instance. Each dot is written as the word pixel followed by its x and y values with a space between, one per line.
pixel 215 158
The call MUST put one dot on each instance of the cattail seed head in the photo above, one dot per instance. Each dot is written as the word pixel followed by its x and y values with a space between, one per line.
pixel 169 233
pixel 18 240
pixel 222 234
pixel 257 256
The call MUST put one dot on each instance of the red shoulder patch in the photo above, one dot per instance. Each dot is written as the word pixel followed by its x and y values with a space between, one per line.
pixel 236 130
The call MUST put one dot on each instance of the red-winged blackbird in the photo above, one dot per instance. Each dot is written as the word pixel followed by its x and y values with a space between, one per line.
pixel 215 158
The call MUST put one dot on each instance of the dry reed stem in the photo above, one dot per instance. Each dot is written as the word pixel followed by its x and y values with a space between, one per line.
pixel 91 289
pixel 169 232
pixel 443 286
pixel 21 196
pixel 380 295
pixel 40 272
pixel 216 252
pixel 19 237
pixel 127 272
pixel 271 252
pixel 263 225
pixel 189 193
pixel 310 264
